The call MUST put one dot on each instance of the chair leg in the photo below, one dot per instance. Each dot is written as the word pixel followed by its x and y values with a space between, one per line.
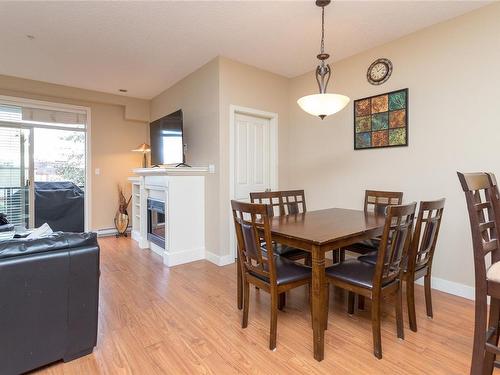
pixel 477 364
pixel 399 312
pixel 336 257
pixel 350 303
pixel 428 298
pixel 308 260
pixel 239 284
pixel 281 301
pixel 489 358
pixel 342 255
pixel 246 300
pixel 361 302
pixel 274 319
pixel 410 300
pixel 377 341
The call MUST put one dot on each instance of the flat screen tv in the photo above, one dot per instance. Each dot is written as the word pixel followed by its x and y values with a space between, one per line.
pixel 167 142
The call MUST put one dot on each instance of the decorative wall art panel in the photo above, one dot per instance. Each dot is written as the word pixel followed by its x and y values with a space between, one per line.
pixel 381 120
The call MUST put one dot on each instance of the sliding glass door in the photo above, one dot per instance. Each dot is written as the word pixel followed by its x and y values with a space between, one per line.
pixel 43 163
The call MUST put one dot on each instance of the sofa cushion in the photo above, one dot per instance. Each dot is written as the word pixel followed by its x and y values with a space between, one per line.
pixel 6 227
pixel 56 241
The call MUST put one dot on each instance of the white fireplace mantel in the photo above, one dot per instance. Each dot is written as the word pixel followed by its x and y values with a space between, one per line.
pixel 162 171
pixel 183 192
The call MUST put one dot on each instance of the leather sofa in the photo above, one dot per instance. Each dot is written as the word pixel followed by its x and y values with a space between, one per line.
pixel 49 292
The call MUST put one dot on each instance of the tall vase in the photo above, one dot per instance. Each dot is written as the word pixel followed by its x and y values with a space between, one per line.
pixel 121 224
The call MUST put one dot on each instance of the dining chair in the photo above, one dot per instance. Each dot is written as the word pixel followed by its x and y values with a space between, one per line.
pixel 420 255
pixel 283 203
pixel 382 279
pixel 375 201
pixel 269 272
pixel 483 205
pixel 294 201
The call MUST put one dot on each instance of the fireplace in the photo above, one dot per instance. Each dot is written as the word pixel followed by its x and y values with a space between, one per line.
pixel 156 222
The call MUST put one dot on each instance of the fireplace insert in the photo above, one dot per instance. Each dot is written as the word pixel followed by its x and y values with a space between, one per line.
pixel 156 222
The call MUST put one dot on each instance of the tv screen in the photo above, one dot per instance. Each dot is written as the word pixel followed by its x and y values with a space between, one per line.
pixel 166 138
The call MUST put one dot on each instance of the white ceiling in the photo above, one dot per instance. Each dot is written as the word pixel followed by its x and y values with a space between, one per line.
pixel 146 47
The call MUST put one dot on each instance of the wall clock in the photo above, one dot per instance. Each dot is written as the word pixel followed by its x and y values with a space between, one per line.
pixel 379 71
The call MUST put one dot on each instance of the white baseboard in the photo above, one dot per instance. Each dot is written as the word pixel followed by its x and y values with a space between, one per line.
pixel 106 232
pixel 220 260
pixel 451 287
pixel 173 259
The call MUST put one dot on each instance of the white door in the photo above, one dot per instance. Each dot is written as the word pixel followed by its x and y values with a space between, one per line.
pixel 253 159
pixel 252 155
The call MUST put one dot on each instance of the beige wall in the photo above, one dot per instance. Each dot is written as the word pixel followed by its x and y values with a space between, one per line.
pixel 247 86
pixel 198 97
pixel 451 70
pixel 112 137
pixel 205 96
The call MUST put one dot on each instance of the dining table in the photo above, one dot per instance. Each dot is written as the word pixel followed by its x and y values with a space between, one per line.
pixel 318 232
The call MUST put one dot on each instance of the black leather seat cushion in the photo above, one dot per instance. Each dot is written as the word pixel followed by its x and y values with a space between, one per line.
pixel 354 272
pixel 284 250
pixel 365 246
pixel 370 258
pixel 56 241
pixel 287 271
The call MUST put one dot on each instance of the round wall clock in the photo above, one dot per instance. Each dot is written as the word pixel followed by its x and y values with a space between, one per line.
pixel 379 71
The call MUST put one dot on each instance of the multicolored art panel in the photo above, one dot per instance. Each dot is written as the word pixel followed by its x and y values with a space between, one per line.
pixel 381 120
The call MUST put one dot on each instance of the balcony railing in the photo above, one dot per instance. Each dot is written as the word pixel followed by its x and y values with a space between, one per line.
pixel 14 202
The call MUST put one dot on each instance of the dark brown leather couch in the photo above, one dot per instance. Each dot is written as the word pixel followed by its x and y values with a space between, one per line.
pixel 49 292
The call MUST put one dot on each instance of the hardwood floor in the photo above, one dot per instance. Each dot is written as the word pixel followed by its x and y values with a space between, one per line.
pixel 183 320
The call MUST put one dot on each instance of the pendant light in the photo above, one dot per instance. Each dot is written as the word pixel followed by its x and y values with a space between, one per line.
pixel 323 104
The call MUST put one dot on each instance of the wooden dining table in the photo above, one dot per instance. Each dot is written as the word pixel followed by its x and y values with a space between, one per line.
pixel 318 232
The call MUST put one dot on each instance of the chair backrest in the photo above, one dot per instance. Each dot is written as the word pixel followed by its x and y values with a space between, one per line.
pixel 394 243
pixel 271 198
pixel 252 224
pixel 377 201
pixel 481 195
pixel 425 234
pixel 294 201
pixel 283 202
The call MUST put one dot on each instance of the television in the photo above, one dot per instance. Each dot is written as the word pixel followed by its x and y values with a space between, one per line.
pixel 167 140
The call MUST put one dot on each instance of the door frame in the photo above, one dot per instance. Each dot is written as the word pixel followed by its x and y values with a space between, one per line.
pixel 19 101
pixel 273 158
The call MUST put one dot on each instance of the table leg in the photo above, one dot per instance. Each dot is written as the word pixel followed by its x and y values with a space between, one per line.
pixel 239 284
pixel 318 302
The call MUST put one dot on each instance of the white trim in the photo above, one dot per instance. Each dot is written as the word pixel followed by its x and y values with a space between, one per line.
pixel 273 157
pixel 451 287
pixel 173 259
pixel 19 101
pixel 106 232
pixel 219 260
pixel 87 209
pixel 42 104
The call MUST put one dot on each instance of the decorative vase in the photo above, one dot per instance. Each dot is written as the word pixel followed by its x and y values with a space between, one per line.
pixel 121 224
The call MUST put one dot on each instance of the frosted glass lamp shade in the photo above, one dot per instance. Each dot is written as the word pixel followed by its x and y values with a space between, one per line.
pixel 323 105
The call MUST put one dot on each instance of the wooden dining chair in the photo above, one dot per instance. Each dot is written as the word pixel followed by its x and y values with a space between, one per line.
pixel 269 272
pixel 294 201
pixel 420 256
pixel 272 199
pixel 375 201
pixel 382 279
pixel 483 204
pixel 284 203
